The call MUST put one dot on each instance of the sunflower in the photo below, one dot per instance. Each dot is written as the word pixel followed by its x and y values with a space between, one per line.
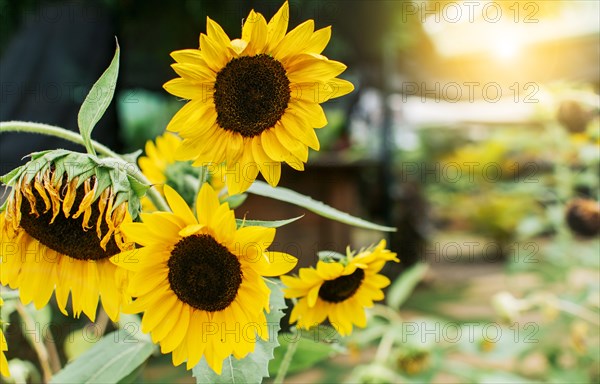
pixel 199 280
pixel 58 231
pixel 339 289
pixel 3 347
pixel 160 167
pixel 255 100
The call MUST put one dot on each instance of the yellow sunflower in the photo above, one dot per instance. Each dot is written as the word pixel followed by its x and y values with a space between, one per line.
pixel 199 280
pixel 160 167
pixel 255 100
pixel 339 290
pixel 57 234
pixel 3 347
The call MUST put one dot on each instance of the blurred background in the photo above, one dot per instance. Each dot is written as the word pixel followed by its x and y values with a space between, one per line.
pixel 474 129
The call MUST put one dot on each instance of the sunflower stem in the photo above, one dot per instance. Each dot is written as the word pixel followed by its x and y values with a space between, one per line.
pixel 36 342
pixel 51 130
pixel 287 360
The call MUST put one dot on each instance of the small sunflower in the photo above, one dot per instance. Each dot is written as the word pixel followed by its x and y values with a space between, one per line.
pixel 160 167
pixel 195 273
pixel 255 100
pixel 339 290
pixel 61 224
pixel 3 348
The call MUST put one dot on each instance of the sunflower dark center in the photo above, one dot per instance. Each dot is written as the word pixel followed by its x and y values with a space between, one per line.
pixel 203 273
pixel 251 94
pixel 342 288
pixel 66 235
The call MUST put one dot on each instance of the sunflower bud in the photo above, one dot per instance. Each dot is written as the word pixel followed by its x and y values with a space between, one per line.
pixel 583 217
pixel 61 223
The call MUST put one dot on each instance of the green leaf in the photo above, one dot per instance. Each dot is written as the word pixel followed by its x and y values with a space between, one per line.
pixel 110 360
pixel 401 289
pixel 253 367
pixel 283 194
pixel 309 353
pixel 97 101
pixel 235 201
pixel 267 224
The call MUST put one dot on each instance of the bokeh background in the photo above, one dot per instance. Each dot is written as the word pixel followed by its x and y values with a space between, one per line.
pixel 474 130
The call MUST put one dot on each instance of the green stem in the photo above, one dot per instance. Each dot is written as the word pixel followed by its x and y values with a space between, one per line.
pixel 287 360
pixel 50 130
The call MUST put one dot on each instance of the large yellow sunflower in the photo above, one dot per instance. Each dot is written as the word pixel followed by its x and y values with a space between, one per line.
pixel 255 100
pixel 199 280
pixel 339 290
pixel 3 347
pixel 58 233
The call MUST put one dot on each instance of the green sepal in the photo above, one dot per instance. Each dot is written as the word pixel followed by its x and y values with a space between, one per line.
pixel 332 257
pixel 11 176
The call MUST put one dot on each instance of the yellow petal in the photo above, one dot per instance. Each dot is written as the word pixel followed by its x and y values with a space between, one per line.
pixel 319 40
pixel 299 129
pixel 271 170
pixel 179 206
pixel 255 33
pixel 214 55
pixel 216 33
pixel 192 56
pixel 277 26
pixel 315 69
pixel 329 271
pixel 273 263
pixel 294 41
pixel 207 204
pixel 311 112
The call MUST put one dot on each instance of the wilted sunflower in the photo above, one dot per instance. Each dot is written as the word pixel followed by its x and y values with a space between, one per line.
pixel 339 289
pixel 61 224
pixel 197 279
pixel 3 347
pixel 255 100
pixel 160 168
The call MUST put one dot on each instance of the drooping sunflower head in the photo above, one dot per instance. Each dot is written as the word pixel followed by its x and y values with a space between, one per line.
pixel 196 276
pixel 60 225
pixel 339 289
pixel 160 167
pixel 3 348
pixel 255 101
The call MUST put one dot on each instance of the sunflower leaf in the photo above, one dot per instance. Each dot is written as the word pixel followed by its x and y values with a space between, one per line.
pixel 110 360
pixel 287 195
pixel 267 224
pixel 97 101
pixel 254 367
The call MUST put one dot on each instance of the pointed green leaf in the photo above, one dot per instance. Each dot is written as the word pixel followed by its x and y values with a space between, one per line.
pixel 110 360
pixel 283 194
pixel 132 157
pixel 267 224
pixel 253 367
pixel 97 101
pixel 402 287
pixel 235 201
